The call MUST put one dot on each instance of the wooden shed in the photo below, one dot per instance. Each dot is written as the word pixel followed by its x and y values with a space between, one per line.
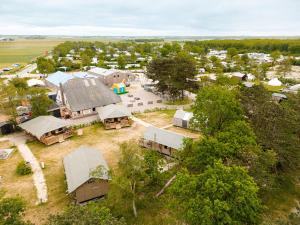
pixel 114 116
pixel 164 141
pixel 87 174
pixel 47 129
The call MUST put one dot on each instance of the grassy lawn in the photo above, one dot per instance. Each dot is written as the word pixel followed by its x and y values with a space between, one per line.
pixel 24 51
pixel 106 141
pixel 11 183
pixel 184 101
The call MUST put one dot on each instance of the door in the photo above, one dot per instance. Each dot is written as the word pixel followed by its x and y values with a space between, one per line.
pixel 184 123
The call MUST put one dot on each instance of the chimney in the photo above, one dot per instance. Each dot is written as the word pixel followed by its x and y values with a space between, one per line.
pixel 62 94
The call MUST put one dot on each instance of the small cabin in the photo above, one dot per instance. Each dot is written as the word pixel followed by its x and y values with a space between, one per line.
pixel 47 129
pixel 87 174
pixel 114 116
pixel 164 141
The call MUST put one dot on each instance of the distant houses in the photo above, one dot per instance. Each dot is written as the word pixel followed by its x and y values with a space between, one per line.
pixel 47 129
pixel 164 141
pixel 114 116
pixel 87 174
pixel 81 97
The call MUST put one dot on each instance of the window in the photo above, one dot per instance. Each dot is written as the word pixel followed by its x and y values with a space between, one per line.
pixel 94 109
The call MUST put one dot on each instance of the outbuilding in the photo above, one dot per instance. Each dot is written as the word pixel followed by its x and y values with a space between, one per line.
pixel 164 141
pixel 114 116
pixel 182 118
pixel 275 82
pixel 47 129
pixel 278 97
pixel 87 174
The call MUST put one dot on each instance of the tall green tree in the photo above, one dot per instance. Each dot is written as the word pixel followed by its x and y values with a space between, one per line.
pixel 40 103
pixel 45 66
pixel 221 195
pixel 215 108
pixel 174 74
pixel 121 62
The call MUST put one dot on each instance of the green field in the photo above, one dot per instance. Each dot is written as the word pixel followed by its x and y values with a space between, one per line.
pixel 24 51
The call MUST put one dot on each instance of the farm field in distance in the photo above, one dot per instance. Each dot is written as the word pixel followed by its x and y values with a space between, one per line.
pixel 24 51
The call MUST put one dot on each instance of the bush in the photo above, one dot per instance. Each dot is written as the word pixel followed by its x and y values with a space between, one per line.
pixel 23 169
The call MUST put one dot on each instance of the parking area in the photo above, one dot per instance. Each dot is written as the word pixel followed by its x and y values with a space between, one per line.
pixel 139 100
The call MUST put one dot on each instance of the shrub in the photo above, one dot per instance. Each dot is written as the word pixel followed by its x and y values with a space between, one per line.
pixel 23 169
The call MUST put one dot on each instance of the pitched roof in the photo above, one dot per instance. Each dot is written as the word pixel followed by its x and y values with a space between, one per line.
pixel 278 95
pixel 42 125
pixel 181 114
pixel 101 71
pixel 164 137
pixel 88 93
pixel 80 163
pixel 58 77
pixel 113 111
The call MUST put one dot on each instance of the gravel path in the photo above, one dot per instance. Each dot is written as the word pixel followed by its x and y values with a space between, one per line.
pixel 38 176
pixel 19 139
pixel 141 122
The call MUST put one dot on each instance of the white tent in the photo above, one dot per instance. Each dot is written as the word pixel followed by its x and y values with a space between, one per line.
pixel 250 77
pixel 35 82
pixel 275 82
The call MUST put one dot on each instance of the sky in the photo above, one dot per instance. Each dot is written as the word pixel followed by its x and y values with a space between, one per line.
pixel 150 17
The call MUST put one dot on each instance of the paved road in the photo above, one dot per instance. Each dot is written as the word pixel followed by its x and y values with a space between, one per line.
pixel 25 73
pixel 19 139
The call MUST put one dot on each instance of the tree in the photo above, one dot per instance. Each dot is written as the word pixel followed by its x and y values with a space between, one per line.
pixel 219 195
pixel 131 172
pixel 231 52
pixel 92 213
pixel 215 107
pixel 121 62
pixel 275 56
pixel 174 74
pixel 11 211
pixel 45 66
pixel 276 126
pixel 85 60
pixel 285 67
pixel 40 104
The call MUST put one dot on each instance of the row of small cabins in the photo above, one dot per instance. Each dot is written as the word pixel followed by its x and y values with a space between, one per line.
pixel 85 168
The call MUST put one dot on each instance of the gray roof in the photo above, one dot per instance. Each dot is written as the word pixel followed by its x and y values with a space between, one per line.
pixel 80 163
pixel 88 93
pixel 278 95
pixel 42 125
pixel 164 137
pixel 295 87
pixel 181 114
pixel 113 111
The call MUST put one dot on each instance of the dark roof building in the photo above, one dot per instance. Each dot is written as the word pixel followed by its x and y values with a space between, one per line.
pixel 82 96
